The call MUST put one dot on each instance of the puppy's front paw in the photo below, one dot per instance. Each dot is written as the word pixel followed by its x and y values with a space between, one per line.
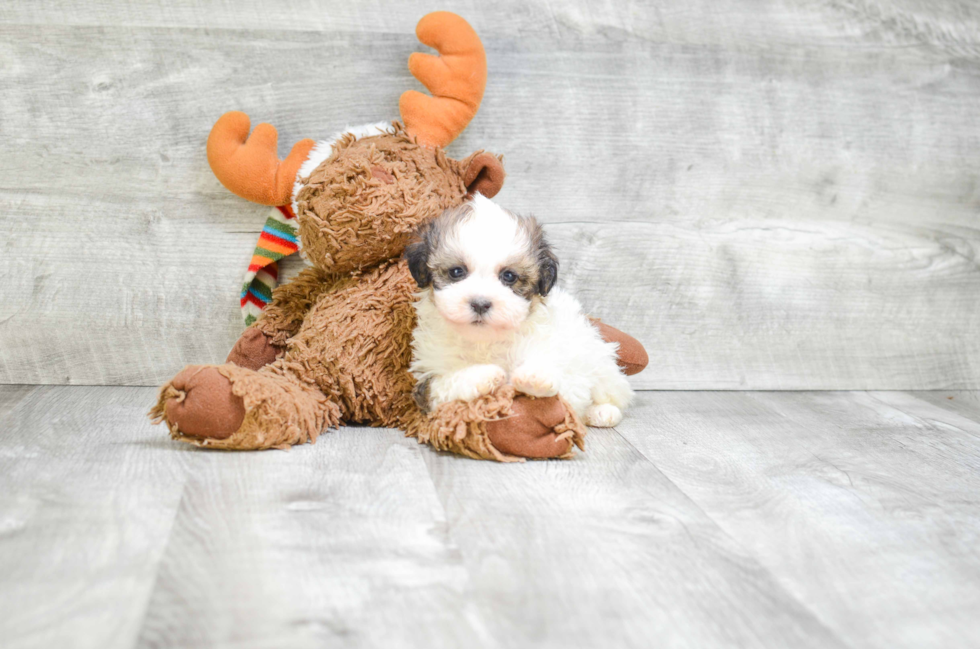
pixel 483 379
pixel 466 385
pixel 534 382
pixel 603 415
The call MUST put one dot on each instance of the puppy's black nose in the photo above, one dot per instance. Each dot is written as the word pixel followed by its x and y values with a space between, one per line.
pixel 480 305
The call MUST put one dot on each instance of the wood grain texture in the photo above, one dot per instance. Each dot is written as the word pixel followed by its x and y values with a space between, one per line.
pixel 112 535
pixel 12 395
pixel 768 195
pixel 863 505
pixel 341 544
pixel 966 402
pixel 604 550
pixel 87 498
pixel 706 520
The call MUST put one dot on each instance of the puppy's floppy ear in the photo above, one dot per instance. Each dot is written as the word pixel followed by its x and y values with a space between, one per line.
pixel 417 256
pixel 547 268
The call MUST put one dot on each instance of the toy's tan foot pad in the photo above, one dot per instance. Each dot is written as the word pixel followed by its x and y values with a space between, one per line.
pixel 205 406
pixel 529 432
pixel 633 357
pixel 253 350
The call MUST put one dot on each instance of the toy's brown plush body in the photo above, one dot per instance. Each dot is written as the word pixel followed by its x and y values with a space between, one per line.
pixel 334 345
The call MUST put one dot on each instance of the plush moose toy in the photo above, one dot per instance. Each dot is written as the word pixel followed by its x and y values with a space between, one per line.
pixel 333 344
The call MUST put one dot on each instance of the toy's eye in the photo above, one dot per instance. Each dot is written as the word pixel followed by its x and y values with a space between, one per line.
pixel 457 272
pixel 508 277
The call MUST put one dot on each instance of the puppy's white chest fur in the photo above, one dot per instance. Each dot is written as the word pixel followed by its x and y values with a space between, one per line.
pixel 555 350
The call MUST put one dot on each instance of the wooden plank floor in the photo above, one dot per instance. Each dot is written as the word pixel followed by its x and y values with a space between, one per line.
pixel 707 519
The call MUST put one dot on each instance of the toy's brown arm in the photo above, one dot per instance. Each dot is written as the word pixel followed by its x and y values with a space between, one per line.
pixel 632 356
pixel 265 340
pixel 284 315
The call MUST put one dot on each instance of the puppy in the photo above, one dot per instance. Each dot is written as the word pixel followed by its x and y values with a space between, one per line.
pixel 489 312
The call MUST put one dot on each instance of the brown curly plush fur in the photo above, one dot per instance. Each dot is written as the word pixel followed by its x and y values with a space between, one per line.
pixel 361 205
pixel 462 427
pixel 346 324
pixel 279 411
pixel 354 346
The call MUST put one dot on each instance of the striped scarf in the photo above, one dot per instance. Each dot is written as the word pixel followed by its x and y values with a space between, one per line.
pixel 279 238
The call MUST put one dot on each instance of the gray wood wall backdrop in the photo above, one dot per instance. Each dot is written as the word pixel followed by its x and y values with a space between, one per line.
pixel 769 194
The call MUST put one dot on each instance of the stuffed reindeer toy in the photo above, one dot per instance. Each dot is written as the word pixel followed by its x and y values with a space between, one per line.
pixel 333 345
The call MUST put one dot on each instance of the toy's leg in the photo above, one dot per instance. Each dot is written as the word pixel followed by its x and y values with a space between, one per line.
pixel 231 407
pixel 265 341
pixel 503 426
pixel 254 350
pixel 632 357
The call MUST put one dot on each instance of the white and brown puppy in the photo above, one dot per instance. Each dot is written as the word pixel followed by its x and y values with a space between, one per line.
pixel 489 312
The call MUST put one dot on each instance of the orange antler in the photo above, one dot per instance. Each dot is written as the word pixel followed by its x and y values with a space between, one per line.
pixel 456 80
pixel 250 166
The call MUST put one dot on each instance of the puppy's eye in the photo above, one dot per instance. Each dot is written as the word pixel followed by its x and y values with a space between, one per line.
pixel 508 277
pixel 457 272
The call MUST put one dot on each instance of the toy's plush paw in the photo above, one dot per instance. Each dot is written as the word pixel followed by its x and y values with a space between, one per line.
pixel 530 431
pixel 253 350
pixel 204 405
pixel 603 415
pixel 466 385
pixel 534 381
